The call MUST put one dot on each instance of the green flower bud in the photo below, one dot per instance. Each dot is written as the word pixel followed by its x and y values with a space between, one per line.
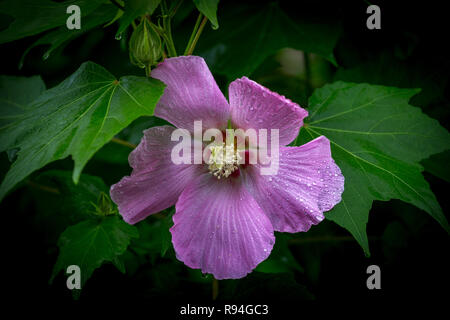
pixel 145 45
pixel 104 206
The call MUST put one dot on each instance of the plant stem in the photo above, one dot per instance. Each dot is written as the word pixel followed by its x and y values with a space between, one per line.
pixel 194 32
pixel 168 31
pixel 43 187
pixel 148 69
pixel 307 74
pixel 197 36
pixel 215 288
pixel 175 8
pixel 123 143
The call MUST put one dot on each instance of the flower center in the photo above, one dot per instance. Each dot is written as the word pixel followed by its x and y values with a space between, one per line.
pixel 223 161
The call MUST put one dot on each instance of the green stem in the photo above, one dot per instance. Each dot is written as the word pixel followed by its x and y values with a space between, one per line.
pixel 43 187
pixel 175 8
pixel 123 143
pixel 168 31
pixel 307 74
pixel 148 69
pixel 197 36
pixel 215 288
pixel 194 32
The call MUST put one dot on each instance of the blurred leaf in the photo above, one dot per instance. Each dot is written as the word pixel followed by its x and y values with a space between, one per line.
pixel 135 131
pixel 134 9
pixel 248 35
pixel 394 240
pixel 113 153
pixel 388 71
pixel 209 9
pixel 280 259
pixel 35 16
pixel 155 238
pixel 90 243
pixel 438 165
pixel 62 36
pixel 16 93
pixel 76 118
pixel 377 139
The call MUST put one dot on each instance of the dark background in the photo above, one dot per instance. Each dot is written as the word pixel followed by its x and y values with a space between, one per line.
pixel 408 245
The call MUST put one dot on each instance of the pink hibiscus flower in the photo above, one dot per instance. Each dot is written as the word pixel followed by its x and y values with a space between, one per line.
pixel 226 226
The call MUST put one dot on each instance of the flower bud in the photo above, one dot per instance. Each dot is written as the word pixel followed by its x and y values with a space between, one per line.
pixel 145 45
pixel 104 206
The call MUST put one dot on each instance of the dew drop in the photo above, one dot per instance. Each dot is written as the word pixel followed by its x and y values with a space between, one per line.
pixel 118 36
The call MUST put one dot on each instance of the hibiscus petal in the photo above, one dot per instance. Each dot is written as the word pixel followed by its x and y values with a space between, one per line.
pixel 308 183
pixel 220 229
pixel 156 182
pixel 254 106
pixel 191 94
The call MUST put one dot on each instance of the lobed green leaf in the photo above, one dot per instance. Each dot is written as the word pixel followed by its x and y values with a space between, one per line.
pixel 377 139
pixel 76 118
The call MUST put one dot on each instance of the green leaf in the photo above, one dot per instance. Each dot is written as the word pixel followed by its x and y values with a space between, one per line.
pixel 76 118
pixel 209 9
pixel 35 16
pixel 62 36
pixel 15 95
pixel 155 238
pixel 90 243
pixel 60 203
pixel 377 139
pixel 134 9
pixel 248 35
pixel 78 199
